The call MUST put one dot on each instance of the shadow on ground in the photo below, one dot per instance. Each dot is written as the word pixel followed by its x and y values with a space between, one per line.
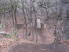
pixel 39 48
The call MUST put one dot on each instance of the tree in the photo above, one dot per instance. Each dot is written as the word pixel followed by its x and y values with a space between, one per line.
pixel 14 10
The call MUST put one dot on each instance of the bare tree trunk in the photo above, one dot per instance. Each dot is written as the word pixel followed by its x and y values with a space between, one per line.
pixel 12 12
pixel 31 6
pixel 15 19
pixel 12 17
pixel 46 8
pixel 25 18
pixel 34 21
pixel 4 17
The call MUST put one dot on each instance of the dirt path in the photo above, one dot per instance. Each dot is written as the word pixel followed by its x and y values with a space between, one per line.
pixel 39 48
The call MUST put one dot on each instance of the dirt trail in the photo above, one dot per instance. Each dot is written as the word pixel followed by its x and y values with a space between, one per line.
pixel 39 48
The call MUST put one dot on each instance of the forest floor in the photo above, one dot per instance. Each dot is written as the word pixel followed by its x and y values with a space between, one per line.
pixel 10 45
pixel 22 45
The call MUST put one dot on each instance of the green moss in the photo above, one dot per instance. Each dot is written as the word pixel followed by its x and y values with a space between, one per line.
pixel 1 10
pixel 12 34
